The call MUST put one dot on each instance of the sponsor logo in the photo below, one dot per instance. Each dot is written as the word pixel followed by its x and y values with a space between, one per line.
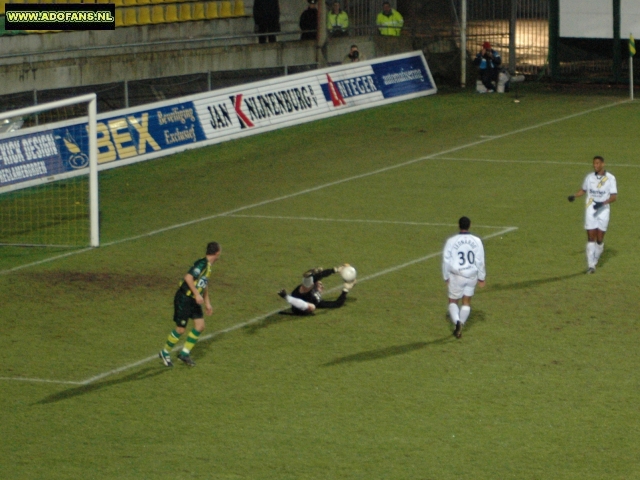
pixel 176 115
pixel 10 153
pixel 353 87
pixel 77 159
pixel 23 172
pixel 336 97
pixel 219 116
pixel 116 137
pixel 180 136
pixel 236 100
pixel 254 108
pixel 404 76
pixel 29 148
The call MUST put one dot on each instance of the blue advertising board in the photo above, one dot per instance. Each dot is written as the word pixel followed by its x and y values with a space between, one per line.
pixel 401 77
pixel 65 149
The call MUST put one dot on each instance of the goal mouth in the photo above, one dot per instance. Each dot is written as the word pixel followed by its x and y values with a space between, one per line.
pixel 48 175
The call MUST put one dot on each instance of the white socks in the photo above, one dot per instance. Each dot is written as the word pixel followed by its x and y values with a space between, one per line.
pixel 599 249
pixel 591 254
pixel 459 314
pixel 465 310
pixel 296 302
pixel 594 250
pixel 454 312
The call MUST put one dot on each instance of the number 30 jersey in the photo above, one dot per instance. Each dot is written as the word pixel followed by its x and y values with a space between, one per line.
pixel 463 255
pixel 201 271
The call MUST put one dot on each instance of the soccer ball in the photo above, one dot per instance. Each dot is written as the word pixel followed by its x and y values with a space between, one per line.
pixel 348 273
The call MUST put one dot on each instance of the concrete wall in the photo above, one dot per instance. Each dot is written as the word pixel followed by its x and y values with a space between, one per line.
pixel 44 72
pixel 72 59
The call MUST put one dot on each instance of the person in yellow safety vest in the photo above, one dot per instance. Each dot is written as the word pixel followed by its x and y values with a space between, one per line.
pixel 337 21
pixel 389 21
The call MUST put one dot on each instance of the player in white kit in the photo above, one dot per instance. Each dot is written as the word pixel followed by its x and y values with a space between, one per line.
pixel 462 268
pixel 602 190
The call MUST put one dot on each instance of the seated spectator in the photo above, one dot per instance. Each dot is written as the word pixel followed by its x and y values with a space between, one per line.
pixel 389 21
pixel 337 21
pixel 354 55
pixel 309 21
pixel 488 62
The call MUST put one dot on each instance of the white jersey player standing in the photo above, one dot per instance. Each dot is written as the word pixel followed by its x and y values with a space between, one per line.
pixel 601 189
pixel 462 268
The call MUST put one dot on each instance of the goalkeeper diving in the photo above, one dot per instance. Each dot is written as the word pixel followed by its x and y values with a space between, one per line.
pixel 307 296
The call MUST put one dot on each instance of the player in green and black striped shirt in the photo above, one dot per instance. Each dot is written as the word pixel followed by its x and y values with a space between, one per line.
pixel 187 303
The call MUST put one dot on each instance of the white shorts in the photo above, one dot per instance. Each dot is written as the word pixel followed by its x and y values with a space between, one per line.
pixel 461 286
pixel 597 219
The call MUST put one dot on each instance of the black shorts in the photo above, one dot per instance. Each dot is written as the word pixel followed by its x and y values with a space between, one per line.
pixel 185 308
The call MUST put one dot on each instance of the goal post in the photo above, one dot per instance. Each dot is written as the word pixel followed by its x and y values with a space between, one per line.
pixel 21 176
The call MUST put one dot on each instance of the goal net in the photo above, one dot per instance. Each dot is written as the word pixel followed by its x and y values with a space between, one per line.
pixel 49 175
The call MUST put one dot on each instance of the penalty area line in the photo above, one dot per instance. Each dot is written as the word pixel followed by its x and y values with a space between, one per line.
pixel 533 162
pixel 257 319
pixel 357 220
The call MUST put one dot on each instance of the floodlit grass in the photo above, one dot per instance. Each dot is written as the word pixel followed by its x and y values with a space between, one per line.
pixel 542 385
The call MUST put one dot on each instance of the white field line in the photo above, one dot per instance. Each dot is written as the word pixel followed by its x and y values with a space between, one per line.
pixel 40 380
pixel 320 187
pixel 232 328
pixel 356 220
pixel 585 164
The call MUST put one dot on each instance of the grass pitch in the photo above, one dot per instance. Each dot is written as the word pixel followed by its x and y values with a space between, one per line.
pixel 543 383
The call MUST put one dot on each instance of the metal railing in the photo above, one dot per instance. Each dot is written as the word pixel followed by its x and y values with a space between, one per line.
pixel 495 20
pixel 124 94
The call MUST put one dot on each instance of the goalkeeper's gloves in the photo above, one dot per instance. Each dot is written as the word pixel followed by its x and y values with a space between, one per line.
pixel 347 286
pixel 598 205
pixel 339 268
pixel 571 198
pixel 312 272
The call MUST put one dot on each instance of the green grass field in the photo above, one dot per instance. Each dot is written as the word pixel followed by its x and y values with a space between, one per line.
pixel 542 385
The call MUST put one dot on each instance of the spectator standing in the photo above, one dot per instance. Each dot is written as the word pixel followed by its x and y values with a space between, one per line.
pixel 389 21
pixel 337 21
pixel 266 15
pixel 309 21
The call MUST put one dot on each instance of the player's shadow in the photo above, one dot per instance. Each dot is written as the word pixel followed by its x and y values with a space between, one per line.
pixel 144 374
pixel 287 315
pixel 386 352
pixel 526 284
pixel 277 318
pixel 607 254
